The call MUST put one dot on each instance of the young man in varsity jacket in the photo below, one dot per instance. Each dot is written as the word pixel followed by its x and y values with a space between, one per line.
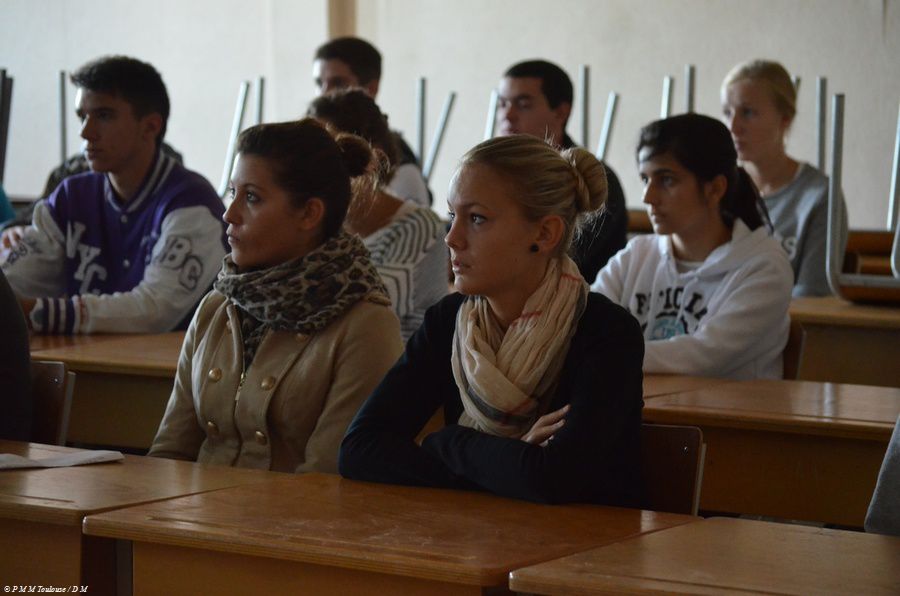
pixel 134 244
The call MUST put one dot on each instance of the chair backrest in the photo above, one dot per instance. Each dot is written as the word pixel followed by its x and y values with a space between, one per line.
pixel 51 391
pixel 793 351
pixel 672 466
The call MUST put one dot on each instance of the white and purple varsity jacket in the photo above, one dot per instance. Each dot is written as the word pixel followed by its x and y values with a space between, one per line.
pixel 96 265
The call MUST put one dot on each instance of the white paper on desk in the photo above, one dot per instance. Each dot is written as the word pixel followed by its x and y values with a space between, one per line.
pixel 9 461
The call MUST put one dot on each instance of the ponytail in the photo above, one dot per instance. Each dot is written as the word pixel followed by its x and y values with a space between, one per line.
pixel 742 201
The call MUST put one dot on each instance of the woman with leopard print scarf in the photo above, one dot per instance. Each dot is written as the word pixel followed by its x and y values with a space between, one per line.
pixel 298 329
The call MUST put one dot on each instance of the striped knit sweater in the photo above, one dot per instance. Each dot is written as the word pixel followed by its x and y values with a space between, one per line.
pixel 411 257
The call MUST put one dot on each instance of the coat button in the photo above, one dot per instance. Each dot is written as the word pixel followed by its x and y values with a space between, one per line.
pixel 211 429
pixel 261 437
pixel 267 383
pixel 214 374
pixel 301 336
pixel 228 326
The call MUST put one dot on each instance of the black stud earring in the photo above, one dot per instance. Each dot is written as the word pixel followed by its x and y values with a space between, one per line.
pixel 534 248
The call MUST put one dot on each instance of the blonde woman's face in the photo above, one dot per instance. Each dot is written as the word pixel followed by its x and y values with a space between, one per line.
pixel 489 237
pixel 756 125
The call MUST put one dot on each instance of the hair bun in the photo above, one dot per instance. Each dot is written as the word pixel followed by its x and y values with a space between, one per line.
pixel 356 153
pixel 591 187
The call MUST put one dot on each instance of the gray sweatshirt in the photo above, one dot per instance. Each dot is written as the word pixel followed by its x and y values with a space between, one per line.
pixel 799 212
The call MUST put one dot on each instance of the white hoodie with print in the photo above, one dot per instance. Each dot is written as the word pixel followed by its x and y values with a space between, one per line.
pixel 726 318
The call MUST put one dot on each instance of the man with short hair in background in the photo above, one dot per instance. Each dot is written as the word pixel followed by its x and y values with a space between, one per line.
pixel 535 98
pixel 354 62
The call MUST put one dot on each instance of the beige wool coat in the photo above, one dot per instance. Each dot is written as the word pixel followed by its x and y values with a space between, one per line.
pixel 297 397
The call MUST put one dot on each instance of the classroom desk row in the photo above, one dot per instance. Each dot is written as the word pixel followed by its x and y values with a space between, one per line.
pixel 41 511
pixel 808 451
pixel 724 555
pixel 163 527
pixel 206 529
pixel 787 449
pixel 845 342
pixel 123 384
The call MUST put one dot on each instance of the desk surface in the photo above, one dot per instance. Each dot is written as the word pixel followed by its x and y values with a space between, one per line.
pixel 720 554
pixel 452 536
pixel 830 310
pixel 150 355
pixel 66 495
pixel 656 385
pixel 37 343
pixel 805 407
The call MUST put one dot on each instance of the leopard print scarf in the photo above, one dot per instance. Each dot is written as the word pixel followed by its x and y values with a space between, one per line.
pixel 303 295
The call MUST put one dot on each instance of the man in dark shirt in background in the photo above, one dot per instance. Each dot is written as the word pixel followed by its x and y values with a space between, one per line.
pixel 535 98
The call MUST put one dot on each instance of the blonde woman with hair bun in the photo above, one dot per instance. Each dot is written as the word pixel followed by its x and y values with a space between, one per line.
pixel 539 380
pixel 759 103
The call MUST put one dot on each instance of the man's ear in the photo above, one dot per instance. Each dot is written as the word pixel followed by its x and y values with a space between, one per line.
pixel 371 88
pixel 563 111
pixel 151 125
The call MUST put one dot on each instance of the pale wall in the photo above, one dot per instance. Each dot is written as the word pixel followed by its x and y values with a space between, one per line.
pixel 464 45
pixel 203 49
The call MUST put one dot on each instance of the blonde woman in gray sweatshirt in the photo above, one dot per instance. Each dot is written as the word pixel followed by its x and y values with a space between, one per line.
pixel 758 105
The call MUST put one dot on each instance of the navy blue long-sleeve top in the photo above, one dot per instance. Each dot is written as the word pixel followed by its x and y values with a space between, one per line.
pixel 593 458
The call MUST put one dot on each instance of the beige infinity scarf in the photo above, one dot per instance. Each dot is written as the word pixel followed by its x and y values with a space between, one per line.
pixel 506 379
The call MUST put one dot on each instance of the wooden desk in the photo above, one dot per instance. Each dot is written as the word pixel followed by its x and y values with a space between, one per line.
pixel 41 511
pixel 123 384
pixel 722 555
pixel 848 343
pixel 656 385
pixel 37 343
pixel 319 534
pixel 639 222
pixel 789 449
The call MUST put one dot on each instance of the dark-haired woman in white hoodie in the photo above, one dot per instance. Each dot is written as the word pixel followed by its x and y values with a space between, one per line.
pixel 711 288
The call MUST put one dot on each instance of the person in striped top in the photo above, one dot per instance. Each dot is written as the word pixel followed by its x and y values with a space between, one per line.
pixel 404 239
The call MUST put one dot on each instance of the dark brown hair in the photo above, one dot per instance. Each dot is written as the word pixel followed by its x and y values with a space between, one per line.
pixel 307 161
pixel 353 111
pixel 704 147
pixel 138 83
pixel 358 54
